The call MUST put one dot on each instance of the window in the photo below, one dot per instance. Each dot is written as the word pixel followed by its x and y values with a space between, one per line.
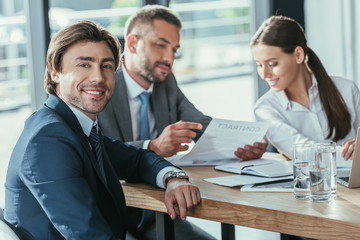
pixel 111 14
pixel 214 69
pixel 14 84
pixel 214 39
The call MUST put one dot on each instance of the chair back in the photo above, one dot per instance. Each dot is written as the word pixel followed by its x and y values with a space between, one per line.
pixel 6 233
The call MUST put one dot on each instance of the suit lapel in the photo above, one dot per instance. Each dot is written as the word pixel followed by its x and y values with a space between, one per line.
pixel 160 107
pixel 120 106
pixel 113 182
pixel 70 119
pixel 92 157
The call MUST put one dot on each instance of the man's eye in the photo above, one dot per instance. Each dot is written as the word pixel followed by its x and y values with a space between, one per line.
pixel 160 45
pixel 84 65
pixel 107 66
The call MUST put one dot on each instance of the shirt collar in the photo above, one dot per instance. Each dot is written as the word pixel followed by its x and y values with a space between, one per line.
pixel 284 100
pixel 86 123
pixel 133 88
pixel 314 82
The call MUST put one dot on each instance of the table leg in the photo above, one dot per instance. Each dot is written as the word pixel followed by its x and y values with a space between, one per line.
pixel 227 231
pixel 284 236
pixel 164 226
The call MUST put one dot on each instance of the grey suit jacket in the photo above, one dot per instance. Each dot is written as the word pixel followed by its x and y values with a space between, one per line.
pixel 168 104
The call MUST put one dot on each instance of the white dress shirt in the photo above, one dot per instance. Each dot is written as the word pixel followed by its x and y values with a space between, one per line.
pixel 134 90
pixel 86 123
pixel 291 122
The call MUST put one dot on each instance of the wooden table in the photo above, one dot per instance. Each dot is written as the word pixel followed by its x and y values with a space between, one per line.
pixel 277 212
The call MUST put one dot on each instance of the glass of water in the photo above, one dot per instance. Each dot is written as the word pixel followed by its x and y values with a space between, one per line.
pixel 303 156
pixel 321 175
pixel 328 150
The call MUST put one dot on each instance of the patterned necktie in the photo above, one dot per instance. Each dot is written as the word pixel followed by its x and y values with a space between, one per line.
pixel 144 121
pixel 96 145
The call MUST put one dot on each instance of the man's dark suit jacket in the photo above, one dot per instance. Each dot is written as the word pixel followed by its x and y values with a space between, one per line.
pixel 168 105
pixel 54 189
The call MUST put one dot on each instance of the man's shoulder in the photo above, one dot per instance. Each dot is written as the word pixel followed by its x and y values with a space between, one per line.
pixel 46 120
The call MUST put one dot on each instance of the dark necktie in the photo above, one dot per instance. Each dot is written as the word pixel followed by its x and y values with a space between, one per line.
pixel 96 145
pixel 144 121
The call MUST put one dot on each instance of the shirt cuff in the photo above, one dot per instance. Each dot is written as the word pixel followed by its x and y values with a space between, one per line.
pixel 146 144
pixel 161 174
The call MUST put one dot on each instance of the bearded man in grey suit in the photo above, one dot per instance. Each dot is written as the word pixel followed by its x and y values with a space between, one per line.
pixel 151 40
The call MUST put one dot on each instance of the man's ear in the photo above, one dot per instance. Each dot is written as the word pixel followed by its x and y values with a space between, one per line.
pixel 55 76
pixel 299 54
pixel 131 42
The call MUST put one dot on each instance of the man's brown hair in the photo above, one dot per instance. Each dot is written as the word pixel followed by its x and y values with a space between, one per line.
pixel 82 31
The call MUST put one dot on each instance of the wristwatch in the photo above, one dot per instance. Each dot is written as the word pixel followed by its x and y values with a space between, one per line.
pixel 176 174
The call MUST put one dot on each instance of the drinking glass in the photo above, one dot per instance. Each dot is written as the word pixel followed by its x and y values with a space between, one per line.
pixel 328 150
pixel 303 157
pixel 321 175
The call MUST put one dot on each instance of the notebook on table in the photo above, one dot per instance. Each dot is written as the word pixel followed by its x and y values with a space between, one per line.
pixel 351 177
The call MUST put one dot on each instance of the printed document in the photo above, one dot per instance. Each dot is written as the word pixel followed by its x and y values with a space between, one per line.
pixel 220 140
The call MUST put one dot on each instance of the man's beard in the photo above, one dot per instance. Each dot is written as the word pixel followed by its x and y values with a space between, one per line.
pixel 148 72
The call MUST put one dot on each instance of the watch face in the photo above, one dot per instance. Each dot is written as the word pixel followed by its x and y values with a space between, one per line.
pixel 180 174
pixel 176 174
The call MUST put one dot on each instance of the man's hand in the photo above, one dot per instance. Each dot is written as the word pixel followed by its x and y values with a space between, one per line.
pixel 252 152
pixel 173 136
pixel 182 193
pixel 348 149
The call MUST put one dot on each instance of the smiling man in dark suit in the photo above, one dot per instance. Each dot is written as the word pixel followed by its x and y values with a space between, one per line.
pixel 63 175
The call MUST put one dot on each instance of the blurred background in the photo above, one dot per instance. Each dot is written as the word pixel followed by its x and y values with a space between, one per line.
pixel 215 58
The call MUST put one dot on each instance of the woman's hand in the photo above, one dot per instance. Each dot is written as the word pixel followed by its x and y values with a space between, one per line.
pixel 348 149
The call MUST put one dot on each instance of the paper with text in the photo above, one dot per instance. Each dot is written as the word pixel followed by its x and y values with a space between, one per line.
pixel 220 140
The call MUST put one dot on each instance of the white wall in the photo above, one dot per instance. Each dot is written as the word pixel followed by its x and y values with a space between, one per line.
pixel 332 31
